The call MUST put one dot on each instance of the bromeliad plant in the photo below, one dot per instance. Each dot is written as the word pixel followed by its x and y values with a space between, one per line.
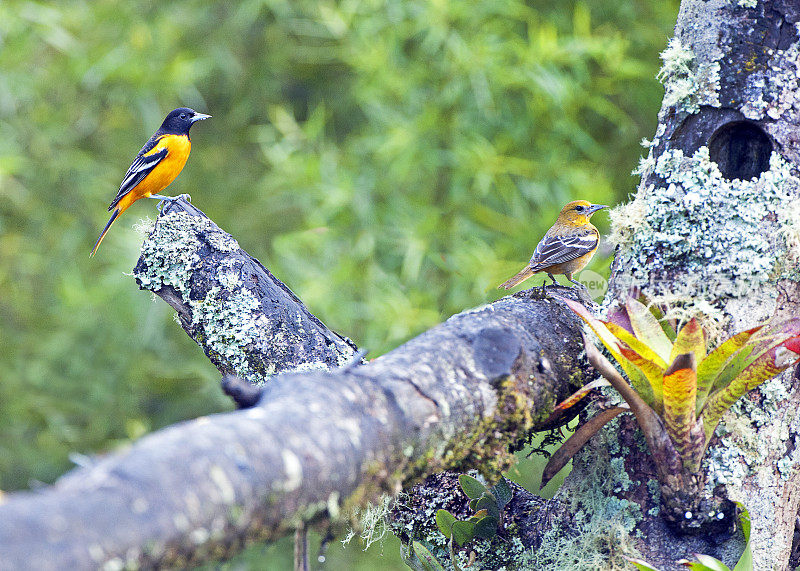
pixel 678 391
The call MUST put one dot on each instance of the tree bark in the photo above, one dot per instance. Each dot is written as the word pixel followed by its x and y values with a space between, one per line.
pixel 458 396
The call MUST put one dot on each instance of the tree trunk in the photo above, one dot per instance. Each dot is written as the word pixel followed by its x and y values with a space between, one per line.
pixel 714 229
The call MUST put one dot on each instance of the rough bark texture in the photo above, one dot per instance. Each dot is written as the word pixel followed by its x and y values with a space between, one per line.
pixel 458 396
pixel 245 319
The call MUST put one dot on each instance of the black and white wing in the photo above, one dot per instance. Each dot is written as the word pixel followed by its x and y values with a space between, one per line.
pixel 554 250
pixel 141 166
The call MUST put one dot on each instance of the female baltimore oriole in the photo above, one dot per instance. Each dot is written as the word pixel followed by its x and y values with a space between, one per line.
pixel 157 164
pixel 566 248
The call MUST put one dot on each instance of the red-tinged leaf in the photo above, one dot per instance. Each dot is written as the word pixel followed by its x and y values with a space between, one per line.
pixel 680 390
pixel 652 373
pixel 690 339
pixel 644 414
pixel 636 344
pixel 648 329
pixel 573 399
pixel 793 344
pixel 575 442
pixel 710 368
pixel 769 364
pixel 636 376
pixel 619 317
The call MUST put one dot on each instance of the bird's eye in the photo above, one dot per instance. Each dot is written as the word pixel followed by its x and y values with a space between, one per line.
pixel 579 208
pixel 183 115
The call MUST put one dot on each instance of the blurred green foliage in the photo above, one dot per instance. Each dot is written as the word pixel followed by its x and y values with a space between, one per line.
pixel 391 161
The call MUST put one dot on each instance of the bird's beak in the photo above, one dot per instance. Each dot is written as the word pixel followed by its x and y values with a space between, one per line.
pixel 199 117
pixel 595 207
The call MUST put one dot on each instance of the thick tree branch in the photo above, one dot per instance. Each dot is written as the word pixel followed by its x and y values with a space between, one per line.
pixel 245 319
pixel 457 396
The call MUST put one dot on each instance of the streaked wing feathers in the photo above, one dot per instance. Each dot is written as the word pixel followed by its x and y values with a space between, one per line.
pixel 554 250
pixel 140 168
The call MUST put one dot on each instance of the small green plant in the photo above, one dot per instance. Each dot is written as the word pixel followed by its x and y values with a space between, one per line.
pixel 678 392
pixel 487 505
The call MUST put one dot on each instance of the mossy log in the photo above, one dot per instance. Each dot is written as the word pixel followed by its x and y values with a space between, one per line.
pixel 460 396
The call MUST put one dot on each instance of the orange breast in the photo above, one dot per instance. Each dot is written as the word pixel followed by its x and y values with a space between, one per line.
pixel 178 147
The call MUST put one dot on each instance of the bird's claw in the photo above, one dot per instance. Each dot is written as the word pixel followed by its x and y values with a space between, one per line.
pixel 170 199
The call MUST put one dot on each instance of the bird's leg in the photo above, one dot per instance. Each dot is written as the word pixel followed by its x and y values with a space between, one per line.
pixel 577 283
pixel 161 199
pixel 544 285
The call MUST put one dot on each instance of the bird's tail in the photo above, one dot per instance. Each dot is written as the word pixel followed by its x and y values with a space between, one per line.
pixel 116 213
pixel 520 277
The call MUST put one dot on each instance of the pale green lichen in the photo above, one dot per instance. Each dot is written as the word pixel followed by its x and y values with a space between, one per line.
pixel 600 531
pixel 709 230
pixel 226 317
pixel 687 85
pixel 771 89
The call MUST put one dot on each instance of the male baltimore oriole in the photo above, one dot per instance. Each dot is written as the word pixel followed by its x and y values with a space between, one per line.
pixel 157 164
pixel 566 248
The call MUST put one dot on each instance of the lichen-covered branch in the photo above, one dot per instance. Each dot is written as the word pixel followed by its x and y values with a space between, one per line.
pixel 458 396
pixel 245 319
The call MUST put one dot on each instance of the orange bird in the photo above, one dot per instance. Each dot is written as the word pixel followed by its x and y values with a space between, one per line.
pixel 566 248
pixel 157 164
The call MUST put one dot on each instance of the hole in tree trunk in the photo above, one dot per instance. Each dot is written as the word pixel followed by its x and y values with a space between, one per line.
pixel 740 149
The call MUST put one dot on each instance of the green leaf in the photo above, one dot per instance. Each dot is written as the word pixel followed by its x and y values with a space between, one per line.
pixel 710 368
pixel 480 514
pixel 640 564
pixel 426 558
pixel 486 527
pixel 707 563
pixel 575 442
pixel 445 521
pixel 648 329
pixel 463 531
pixel 472 487
pixel 502 491
pixel 769 364
pixel 745 562
pixel 489 503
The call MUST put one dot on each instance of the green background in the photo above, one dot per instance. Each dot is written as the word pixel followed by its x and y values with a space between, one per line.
pixel 390 161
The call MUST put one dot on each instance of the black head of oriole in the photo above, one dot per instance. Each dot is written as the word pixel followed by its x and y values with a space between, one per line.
pixel 158 163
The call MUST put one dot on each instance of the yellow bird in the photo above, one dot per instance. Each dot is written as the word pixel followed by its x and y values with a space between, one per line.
pixel 566 248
